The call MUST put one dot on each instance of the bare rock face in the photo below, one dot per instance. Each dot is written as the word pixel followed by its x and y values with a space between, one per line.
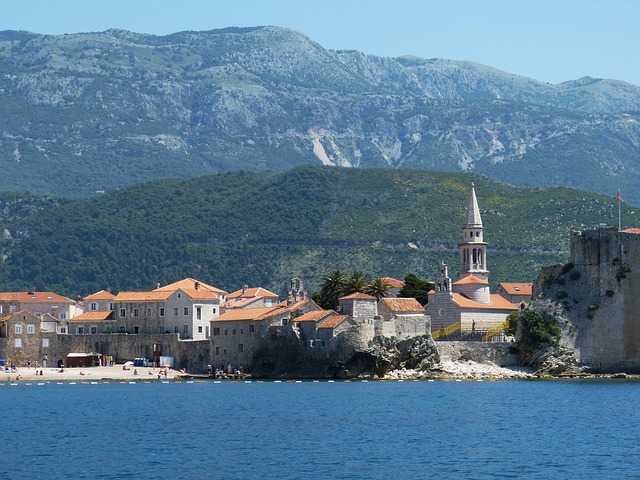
pixel 343 357
pixel 555 358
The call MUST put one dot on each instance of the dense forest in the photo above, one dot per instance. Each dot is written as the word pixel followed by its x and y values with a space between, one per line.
pixel 264 228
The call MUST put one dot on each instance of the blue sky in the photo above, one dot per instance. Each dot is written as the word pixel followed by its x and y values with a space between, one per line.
pixel 549 40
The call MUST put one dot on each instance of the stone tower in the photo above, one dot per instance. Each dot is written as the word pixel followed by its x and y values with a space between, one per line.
pixel 473 249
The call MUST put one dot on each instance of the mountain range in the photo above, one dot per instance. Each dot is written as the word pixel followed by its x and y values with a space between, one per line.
pixel 92 112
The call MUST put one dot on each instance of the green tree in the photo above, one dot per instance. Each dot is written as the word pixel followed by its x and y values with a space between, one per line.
pixel 332 288
pixel 355 282
pixel 378 288
pixel 415 287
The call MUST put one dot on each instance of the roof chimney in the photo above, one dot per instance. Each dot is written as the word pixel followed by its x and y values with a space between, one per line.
pixel 156 285
pixel 197 285
pixel 245 288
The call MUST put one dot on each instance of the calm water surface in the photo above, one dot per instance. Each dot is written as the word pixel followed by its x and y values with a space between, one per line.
pixel 441 429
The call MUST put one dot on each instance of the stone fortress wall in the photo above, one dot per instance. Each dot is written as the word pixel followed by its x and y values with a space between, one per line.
pixel 598 295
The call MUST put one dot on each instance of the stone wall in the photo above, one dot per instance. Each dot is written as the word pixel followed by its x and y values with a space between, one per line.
pixel 599 298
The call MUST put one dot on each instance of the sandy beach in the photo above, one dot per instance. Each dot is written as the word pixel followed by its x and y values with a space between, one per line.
pixel 114 372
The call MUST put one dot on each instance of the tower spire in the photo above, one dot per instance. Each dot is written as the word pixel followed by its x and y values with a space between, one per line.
pixel 473 218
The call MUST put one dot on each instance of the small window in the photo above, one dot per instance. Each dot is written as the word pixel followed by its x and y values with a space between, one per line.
pixel 80 330
pixel 30 329
pixel 94 329
pixel 148 312
pixel 110 305
pixel 242 331
pixel 199 328
pixel 179 295
pixel 18 329
pixel 226 332
pixel 175 310
pixel 214 310
pixel 216 330
pixel 136 330
pixel 63 330
pixel 198 313
pixel 241 347
pixel 123 313
pixel 162 311
pixel 233 332
pixel 285 321
pixel 175 329
pixel 217 350
pixel 18 343
pixel 185 329
pixel 186 310
pixel 135 312
pixel 93 306
pixel 62 316
pixel 45 343
pixel 224 351
pixel 252 328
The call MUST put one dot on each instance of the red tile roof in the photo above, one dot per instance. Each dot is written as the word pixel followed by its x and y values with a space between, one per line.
pixel 252 292
pixel 517 288
pixel 33 297
pixel 314 316
pixel 333 321
pixel 358 296
pixel 404 305
pixel 631 230
pixel 471 280
pixel 21 312
pixel 153 296
pixel 191 283
pixel 248 314
pixel 497 303
pixel 393 283
pixel 101 295
pixel 93 316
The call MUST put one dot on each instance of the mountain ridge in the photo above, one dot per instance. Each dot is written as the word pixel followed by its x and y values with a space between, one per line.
pixel 104 110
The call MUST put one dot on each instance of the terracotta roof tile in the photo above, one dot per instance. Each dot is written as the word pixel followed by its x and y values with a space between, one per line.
pixel 313 316
pixel 93 316
pixel 199 294
pixel 153 296
pixel 191 283
pixel 631 230
pixel 393 283
pixel 34 297
pixel 247 314
pixel 15 314
pixel 101 295
pixel 358 296
pixel 252 292
pixel 404 305
pixel 471 280
pixel 333 321
pixel 497 303
pixel 517 288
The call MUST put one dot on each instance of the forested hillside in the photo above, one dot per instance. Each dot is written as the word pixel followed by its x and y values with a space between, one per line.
pixel 98 111
pixel 264 228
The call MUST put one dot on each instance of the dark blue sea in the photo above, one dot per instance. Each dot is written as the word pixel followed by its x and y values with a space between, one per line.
pixel 263 430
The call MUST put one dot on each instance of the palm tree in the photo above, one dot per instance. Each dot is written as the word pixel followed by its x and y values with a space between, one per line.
pixel 356 282
pixel 332 288
pixel 378 288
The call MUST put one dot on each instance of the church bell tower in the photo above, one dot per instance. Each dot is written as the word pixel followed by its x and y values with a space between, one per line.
pixel 473 249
